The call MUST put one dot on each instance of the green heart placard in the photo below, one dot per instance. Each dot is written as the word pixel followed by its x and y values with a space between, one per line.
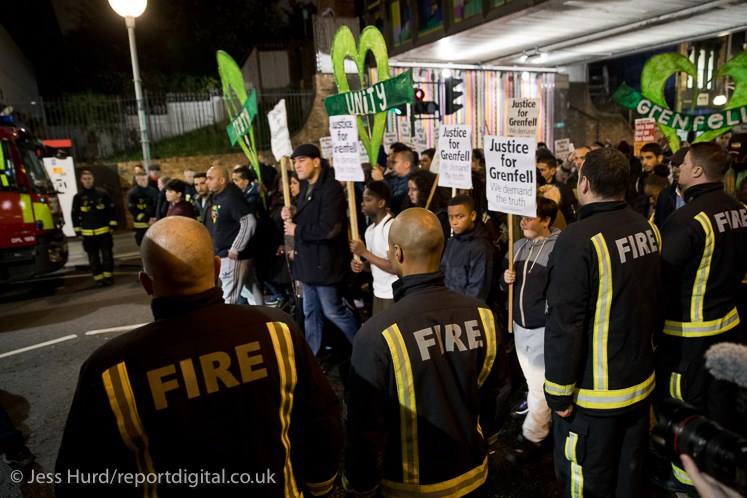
pixel 240 107
pixel 344 46
pixel 651 102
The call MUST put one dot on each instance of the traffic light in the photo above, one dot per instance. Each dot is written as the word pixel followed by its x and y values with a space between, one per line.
pixel 422 107
pixel 452 94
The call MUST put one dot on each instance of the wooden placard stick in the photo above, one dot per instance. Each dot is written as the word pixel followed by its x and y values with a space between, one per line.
pixel 511 268
pixel 284 167
pixel 353 215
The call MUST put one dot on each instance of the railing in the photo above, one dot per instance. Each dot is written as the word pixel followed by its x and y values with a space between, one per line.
pixel 103 126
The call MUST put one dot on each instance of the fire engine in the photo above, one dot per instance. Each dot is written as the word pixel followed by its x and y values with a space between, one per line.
pixel 31 239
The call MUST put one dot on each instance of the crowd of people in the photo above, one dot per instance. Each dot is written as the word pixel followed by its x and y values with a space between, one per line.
pixel 632 267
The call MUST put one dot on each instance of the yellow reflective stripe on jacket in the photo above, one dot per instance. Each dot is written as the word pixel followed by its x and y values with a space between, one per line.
pixel 602 313
pixel 681 475
pixel 122 402
pixel 408 412
pixel 610 399
pixel 702 328
pixel 488 325
pixel 321 488
pixel 558 389
pixel 96 231
pixel 140 224
pixel 675 385
pixel 704 269
pixel 657 233
pixel 286 360
pixel 457 486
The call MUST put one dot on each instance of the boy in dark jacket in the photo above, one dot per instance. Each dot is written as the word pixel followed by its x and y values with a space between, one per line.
pixel 467 262
pixel 531 255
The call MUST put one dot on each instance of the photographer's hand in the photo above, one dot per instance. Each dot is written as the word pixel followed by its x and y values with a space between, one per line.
pixel 707 486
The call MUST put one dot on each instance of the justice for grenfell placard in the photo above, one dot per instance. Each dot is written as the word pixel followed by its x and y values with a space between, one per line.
pixel 455 154
pixel 511 178
pixel 345 148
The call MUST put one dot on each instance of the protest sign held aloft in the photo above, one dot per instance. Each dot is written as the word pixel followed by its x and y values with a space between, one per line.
pixel 511 179
pixel 455 154
pixel 345 149
pixel 279 135
pixel 523 117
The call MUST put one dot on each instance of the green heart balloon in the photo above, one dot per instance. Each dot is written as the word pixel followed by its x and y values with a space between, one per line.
pixel 737 69
pixel 654 76
pixel 234 97
pixel 344 46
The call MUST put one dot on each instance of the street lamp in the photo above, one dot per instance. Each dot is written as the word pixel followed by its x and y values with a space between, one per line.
pixel 130 9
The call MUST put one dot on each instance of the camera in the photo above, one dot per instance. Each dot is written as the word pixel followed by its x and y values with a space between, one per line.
pixel 717 452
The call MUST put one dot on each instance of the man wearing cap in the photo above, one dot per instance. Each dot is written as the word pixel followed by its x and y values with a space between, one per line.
pixel 670 199
pixel 317 225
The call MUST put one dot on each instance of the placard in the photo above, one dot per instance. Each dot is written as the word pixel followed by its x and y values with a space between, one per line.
pixel 405 132
pixel 62 174
pixel 346 148
pixel 389 138
pixel 279 136
pixel 325 144
pixel 511 175
pixel 563 148
pixel 523 117
pixel 455 154
pixel 645 132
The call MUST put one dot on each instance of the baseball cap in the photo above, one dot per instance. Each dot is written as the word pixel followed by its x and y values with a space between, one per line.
pixel 306 150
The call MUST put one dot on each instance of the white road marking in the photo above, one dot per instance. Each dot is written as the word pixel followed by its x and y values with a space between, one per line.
pixel 40 345
pixel 123 328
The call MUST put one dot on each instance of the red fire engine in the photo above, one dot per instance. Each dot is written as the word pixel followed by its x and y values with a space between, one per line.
pixel 31 238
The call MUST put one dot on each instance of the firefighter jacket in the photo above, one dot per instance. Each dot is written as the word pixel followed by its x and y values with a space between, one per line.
pixel 704 261
pixel 142 202
pixel 603 309
pixel 93 212
pixel 422 392
pixel 218 392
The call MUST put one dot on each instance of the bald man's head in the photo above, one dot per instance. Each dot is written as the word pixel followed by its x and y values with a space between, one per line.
pixel 218 177
pixel 178 258
pixel 416 241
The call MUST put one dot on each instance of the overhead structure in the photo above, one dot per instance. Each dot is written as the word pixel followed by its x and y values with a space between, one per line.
pixel 566 32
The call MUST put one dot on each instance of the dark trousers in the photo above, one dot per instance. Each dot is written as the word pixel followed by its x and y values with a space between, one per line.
pixel 598 456
pixel 100 257
pixel 139 234
pixel 11 439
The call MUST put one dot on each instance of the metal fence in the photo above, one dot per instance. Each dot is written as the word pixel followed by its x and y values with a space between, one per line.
pixel 103 126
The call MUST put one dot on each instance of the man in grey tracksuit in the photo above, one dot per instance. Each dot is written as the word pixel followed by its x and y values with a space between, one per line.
pixel 529 277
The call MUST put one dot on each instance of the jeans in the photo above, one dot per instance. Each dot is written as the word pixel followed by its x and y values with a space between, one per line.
pixel 325 300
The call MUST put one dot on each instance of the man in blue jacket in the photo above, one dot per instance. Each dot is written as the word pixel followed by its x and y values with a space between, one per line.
pixel 317 225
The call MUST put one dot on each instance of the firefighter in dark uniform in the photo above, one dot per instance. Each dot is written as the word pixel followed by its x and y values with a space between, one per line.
pixel 603 309
pixel 93 219
pixel 142 200
pixel 223 394
pixel 704 260
pixel 424 378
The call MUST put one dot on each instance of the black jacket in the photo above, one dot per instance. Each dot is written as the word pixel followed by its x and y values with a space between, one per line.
pixel 531 258
pixel 93 212
pixel 431 365
pixel 142 202
pixel 322 254
pixel 222 217
pixel 666 204
pixel 603 309
pixel 206 387
pixel 704 261
pixel 467 263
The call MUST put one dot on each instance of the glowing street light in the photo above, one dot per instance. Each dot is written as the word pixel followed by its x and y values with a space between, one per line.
pixel 130 9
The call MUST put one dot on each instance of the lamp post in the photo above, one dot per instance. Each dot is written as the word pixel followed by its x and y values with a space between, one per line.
pixel 130 9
